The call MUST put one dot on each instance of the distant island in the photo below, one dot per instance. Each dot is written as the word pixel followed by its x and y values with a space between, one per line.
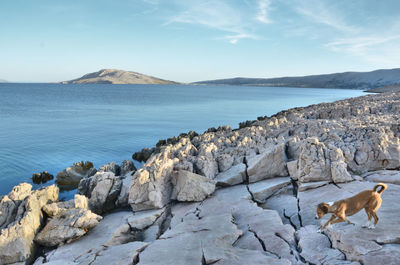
pixel 3 81
pixel 113 76
pixel 348 80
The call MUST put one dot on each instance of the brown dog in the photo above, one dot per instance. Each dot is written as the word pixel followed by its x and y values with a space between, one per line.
pixel 370 200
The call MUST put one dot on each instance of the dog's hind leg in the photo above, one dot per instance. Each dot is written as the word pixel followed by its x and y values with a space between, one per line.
pixel 375 218
pixel 368 212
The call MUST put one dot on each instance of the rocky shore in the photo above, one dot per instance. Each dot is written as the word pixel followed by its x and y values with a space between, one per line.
pixel 243 196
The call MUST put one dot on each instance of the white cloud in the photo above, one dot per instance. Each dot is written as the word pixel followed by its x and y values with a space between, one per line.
pixel 262 15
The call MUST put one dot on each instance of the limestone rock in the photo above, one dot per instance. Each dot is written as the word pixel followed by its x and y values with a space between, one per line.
pixel 126 167
pixel 16 239
pixel 42 177
pixel 224 161
pixel 316 247
pixel 262 190
pixel 286 205
pixel 110 167
pixel 234 175
pixel 207 166
pixel 10 203
pixel 271 163
pixel 313 164
pixel 151 185
pixel 311 185
pixel 102 189
pixel 71 176
pixel 385 176
pixel 113 230
pixel 66 226
pixel 144 219
pixel 191 187
pixel 123 196
pixel 340 173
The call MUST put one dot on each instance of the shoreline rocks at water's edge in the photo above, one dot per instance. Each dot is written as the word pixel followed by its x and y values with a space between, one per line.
pixel 278 166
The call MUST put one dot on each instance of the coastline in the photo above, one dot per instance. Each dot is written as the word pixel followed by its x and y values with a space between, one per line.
pixel 318 147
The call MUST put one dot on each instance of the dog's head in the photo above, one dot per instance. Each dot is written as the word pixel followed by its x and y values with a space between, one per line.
pixel 322 209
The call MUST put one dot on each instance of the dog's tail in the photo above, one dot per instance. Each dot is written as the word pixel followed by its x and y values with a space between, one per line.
pixel 383 187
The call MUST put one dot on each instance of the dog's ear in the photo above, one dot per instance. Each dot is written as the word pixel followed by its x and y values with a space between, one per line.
pixel 324 207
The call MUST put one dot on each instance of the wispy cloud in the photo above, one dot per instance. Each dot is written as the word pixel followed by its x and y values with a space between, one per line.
pixel 376 48
pixel 320 13
pixel 262 15
pixel 220 16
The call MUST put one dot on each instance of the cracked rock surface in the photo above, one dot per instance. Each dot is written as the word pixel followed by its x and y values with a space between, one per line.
pixel 249 196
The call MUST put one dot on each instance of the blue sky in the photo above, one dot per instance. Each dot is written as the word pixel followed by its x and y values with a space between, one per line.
pixel 190 40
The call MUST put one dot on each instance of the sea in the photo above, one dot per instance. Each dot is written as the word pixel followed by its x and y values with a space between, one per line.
pixel 51 126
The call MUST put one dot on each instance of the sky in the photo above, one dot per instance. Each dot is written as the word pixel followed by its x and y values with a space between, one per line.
pixel 193 40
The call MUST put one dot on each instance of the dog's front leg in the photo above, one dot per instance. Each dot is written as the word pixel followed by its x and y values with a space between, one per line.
pixel 333 217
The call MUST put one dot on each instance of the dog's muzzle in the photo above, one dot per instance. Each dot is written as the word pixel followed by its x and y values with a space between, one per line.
pixel 316 217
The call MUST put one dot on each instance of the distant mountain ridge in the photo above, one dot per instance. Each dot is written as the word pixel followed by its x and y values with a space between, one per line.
pixel 3 81
pixel 114 76
pixel 350 80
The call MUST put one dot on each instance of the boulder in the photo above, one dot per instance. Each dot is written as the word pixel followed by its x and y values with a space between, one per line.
pixel 127 166
pixel 151 185
pixel 188 186
pixel 70 177
pixel 110 167
pixel 102 189
pixel 234 175
pixel 123 196
pixel 206 166
pixel 262 190
pixel 42 177
pixel 339 172
pixel 270 164
pixel 16 239
pixel 224 161
pixel 68 225
pixel 10 203
pixel 313 163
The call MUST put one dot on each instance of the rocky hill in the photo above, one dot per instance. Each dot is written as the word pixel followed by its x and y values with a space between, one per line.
pixel 242 196
pixel 112 76
pixel 349 80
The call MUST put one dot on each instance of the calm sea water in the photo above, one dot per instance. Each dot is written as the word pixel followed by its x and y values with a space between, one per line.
pixel 50 126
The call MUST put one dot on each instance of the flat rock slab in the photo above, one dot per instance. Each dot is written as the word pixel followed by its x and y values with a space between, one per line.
pixel 226 228
pixel 303 186
pixel 358 243
pixel 234 175
pixel 316 247
pixel 125 254
pixel 385 176
pixel 144 219
pixel 264 189
pixel 286 205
